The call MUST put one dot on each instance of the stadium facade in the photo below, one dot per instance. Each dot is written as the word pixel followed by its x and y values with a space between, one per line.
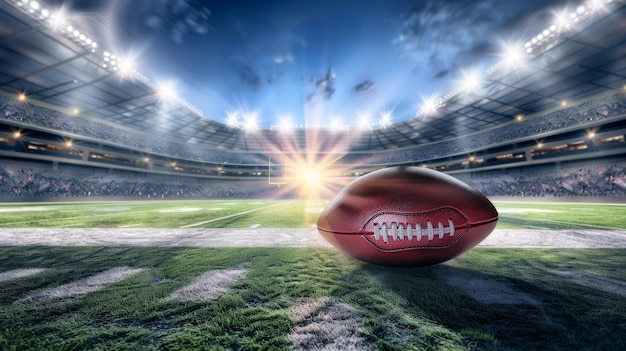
pixel 66 105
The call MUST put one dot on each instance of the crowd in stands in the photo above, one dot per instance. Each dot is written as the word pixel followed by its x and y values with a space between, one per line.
pixel 590 111
pixel 27 182
pixel 24 112
pixel 600 181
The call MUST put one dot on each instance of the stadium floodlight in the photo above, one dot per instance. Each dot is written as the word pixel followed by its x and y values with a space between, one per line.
pixel 21 96
pixel 513 56
pixel 166 91
pixel 285 124
pixel 127 67
pixel 471 81
pixel 17 134
pixel 365 121
pixel 232 119
pixel 429 106
pixel 591 134
pixel 385 119
pixel 69 143
pixel 519 118
pixel 335 124
pixel 251 122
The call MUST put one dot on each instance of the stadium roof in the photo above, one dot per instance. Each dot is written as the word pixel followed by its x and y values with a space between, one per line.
pixel 64 68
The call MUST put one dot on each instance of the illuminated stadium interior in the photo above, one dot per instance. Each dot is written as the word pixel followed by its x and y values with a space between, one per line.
pixel 542 121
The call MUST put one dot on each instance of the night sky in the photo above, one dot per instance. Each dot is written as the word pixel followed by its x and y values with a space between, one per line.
pixel 317 62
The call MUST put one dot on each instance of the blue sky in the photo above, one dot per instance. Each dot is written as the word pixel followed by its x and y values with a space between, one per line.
pixel 316 62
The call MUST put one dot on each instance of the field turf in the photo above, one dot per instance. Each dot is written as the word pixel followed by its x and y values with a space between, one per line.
pixel 487 299
pixel 273 214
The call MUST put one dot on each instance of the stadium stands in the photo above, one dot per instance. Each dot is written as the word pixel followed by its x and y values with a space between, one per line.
pixel 24 113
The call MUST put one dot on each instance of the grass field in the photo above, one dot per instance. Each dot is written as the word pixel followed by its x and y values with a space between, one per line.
pixel 156 298
pixel 273 214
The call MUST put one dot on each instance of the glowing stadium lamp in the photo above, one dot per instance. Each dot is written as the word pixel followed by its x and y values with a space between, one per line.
pixel 513 56
pixel 335 125
pixel 17 134
pixel 385 119
pixel 429 106
pixel 127 67
pixel 251 122
pixel 34 6
pixel 365 121
pixel 166 92
pixel 232 119
pixel 471 82
pixel 21 96
pixel 285 125
pixel 69 144
pixel 591 134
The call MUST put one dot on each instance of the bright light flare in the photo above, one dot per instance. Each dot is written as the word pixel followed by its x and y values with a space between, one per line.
pixel 310 176
pixel 232 119
pixel 471 81
pixel 251 122
pixel 513 57
pixel 429 106
pixel 365 121
pixel 127 67
pixel 385 119
pixel 166 91
pixel 285 124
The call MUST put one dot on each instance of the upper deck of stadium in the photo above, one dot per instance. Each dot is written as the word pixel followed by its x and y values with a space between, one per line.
pixel 67 71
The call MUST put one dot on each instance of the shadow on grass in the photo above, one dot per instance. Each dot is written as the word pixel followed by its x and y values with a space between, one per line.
pixel 452 305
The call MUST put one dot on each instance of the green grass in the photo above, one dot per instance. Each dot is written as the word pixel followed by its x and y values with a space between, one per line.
pixel 401 308
pixel 274 214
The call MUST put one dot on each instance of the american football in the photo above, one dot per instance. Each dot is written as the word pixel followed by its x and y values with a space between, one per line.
pixel 407 216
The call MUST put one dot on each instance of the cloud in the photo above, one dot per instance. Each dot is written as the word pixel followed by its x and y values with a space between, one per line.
pixel 250 78
pixel 179 18
pixel 450 34
pixel 324 87
pixel 363 88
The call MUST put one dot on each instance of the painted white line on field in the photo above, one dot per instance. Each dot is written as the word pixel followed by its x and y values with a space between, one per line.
pixel 84 286
pixel 313 210
pixel 592 226
pixel 233 215
pixel 324 324
pixel 209 286
pixel 26 209
pixel 255 226
pixel 526 210
pixel 20 273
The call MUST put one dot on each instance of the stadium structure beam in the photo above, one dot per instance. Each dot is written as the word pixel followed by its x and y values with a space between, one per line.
pixel 91 82
pixel 46 68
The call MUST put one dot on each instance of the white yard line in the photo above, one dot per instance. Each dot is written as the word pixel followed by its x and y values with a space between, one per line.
pixel 232 215
pixel 84 286
pixel 209 285
pixel 20 273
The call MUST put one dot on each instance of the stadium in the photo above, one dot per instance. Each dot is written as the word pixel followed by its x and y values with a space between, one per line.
pixel 132 219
